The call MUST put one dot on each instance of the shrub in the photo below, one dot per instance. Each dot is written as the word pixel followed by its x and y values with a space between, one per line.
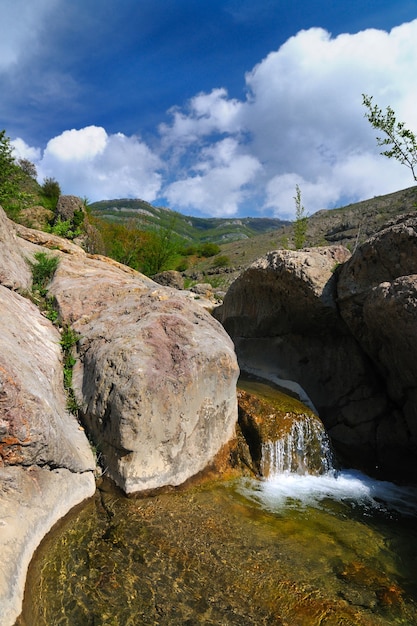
pixel 209 249
pixel 221 261
pixel 43 270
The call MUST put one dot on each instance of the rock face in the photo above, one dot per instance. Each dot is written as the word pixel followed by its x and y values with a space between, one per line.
pixel 283 315
pixel 46 464
pixel 67 206
pixel 155 379
pixel 377 293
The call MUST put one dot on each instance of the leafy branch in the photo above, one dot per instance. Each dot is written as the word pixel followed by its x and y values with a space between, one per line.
pixel 402 142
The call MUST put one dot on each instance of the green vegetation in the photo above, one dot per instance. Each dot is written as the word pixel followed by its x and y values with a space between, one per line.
pixel 402 142
pixel 300 224
pixel 43 270
pixel 69 339
pixel 18 186
pixel 11 178
pixel 221 261
pixel 51 192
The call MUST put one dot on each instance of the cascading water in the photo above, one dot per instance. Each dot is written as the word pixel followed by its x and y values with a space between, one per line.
pixel 303 448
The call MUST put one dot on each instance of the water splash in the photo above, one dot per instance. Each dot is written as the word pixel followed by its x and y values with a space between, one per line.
pixel 303 449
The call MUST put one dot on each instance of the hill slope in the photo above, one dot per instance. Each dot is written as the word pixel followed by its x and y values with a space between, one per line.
pixel 349 226
pixel 193 229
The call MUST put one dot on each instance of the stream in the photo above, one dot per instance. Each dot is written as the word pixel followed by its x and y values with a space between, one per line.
pixel 335 549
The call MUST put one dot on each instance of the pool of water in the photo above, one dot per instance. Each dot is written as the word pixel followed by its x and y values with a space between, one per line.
pixel 293 550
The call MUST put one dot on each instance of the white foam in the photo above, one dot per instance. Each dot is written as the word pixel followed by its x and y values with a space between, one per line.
pixel 290 490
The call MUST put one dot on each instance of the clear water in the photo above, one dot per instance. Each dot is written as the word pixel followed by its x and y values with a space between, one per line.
pixel 293 550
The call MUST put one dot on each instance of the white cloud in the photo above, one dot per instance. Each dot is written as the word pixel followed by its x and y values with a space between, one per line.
pixel 220 184
pixel 78 145
pixel 206 114
pixel 89 162
pixel 21 150
pixel 303 120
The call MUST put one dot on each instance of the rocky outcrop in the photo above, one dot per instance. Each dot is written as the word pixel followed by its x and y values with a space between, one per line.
pixel 170 278
pixel 283 315
pixel 377 294
pixel 46 464
pixel 67 207
pixel 155 379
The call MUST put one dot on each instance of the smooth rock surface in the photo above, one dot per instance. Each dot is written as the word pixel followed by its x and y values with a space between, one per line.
pixel 283 316
pixel 156 376
pixel 32 500
pixel 36 427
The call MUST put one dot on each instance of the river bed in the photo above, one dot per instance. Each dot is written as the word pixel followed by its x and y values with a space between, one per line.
pixel 294 550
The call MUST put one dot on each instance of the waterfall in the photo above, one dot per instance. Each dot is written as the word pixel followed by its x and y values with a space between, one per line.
pixel 304 448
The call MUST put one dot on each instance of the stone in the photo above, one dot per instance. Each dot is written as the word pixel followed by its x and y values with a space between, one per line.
pixel 170 278
pixel 66 208
pixel 14 270
pixel 377 295
pixel 282 314
pixel 37 428
pixel 156 375
pixel 36 217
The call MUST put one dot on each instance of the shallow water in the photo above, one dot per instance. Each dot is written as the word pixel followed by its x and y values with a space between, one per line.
pixel 294 551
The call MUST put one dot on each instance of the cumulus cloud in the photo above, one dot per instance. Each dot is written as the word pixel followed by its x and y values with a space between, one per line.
pixel 90 163
pixel 303 123
pixel 21 150
pixel 220 182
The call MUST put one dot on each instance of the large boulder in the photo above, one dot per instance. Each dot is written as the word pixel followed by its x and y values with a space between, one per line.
pixel 156 376
pixel 377 294
pixel 283 317
pixel 67 207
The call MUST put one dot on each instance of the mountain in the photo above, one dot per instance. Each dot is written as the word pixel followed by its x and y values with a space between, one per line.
pixel 193 229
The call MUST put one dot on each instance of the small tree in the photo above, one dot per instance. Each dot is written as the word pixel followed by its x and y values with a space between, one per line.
pixel 51 188
pixel 28 167
pixel 300 224
pixel 160 249
pixel 402 142
pixel 10 173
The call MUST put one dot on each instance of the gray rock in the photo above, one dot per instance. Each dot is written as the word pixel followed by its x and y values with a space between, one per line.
pixel 67 206
pixel 378 301
pixel 282 315
pixel 170 278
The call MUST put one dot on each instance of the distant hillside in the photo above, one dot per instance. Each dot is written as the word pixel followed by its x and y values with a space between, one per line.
pixel 349 226
pixel 193 229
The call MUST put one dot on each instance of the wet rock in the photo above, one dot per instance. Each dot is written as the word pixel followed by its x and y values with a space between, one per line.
pixel 32 500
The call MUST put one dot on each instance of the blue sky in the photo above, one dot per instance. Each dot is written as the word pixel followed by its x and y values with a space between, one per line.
pixel 211 108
